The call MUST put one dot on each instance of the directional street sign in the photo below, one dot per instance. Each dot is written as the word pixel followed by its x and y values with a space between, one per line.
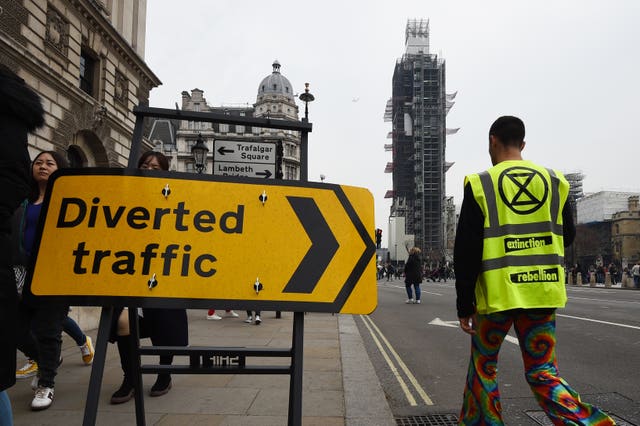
pixel 176 240
pixel 242 158
pixel 244 169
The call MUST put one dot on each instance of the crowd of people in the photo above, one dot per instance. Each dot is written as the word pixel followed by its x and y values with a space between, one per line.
pixel 599 272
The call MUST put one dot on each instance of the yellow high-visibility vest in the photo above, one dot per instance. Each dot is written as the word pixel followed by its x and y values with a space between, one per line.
pixel 523 250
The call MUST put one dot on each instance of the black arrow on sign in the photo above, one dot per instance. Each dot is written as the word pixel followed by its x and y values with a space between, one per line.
pixel 323 246
pixel 267 174
pixel 223 151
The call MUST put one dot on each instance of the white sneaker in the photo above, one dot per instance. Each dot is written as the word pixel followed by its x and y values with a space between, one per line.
pixel 409 301
pixel 42 399
pixel 232 314
pixel 258 320
pixel 214 317
pixel 418 301
pixel 249 320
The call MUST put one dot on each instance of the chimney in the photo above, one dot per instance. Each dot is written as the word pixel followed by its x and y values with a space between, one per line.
pixel 633 203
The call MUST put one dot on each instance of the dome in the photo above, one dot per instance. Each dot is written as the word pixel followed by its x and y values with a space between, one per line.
pixel 276 84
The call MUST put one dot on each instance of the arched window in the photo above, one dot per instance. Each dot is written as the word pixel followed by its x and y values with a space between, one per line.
pixel 76 157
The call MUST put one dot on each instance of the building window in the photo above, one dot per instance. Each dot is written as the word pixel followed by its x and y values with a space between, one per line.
pixel 75 157
pixel 88 67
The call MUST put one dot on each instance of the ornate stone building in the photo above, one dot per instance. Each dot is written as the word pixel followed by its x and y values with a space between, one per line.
pixel 275 99
pixel 86 60
pixel 625 233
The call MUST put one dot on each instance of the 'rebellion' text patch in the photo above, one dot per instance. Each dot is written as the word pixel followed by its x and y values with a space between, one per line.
pixel 516 244
pixel 536 276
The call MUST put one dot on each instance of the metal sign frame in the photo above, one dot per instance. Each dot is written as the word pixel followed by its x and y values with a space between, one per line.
pixel 295 369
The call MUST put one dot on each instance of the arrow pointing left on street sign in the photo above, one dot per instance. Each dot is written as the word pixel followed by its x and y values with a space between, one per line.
pixel 223 151
pixel 323 246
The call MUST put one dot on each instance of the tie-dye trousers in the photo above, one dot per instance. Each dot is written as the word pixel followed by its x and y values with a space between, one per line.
pixel 536 331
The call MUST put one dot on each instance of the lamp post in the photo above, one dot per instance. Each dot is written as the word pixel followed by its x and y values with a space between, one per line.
pixel 199 152
pixel 306 97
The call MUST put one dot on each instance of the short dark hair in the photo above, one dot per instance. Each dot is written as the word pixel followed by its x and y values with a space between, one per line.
pixel 509 130
pixel 162 159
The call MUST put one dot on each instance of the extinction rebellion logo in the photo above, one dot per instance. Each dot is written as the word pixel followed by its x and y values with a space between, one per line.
pixel 516 244
pixel 523 189
pixel 536 276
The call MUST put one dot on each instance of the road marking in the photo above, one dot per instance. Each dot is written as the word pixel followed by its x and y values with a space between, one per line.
pixel 402 365
pixel 402 287
pixel 394 370
pixel 456 324
pixel 605 300
pixel 635 327
pixel 438 321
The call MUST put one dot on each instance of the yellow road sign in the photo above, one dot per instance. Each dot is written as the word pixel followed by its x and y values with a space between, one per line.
pixel 110 234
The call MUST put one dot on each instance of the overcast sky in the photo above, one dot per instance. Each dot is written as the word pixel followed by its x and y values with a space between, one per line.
pixel 569 68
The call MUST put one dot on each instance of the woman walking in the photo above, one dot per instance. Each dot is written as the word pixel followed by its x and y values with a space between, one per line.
pixel 413 275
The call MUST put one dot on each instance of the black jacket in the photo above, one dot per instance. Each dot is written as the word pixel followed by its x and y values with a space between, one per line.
pixel 20 112
pixel 413 270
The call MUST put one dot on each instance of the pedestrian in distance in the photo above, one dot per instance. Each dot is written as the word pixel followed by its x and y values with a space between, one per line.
pixel 251 318
pixel 389 271
pixel 211 314
pixel 635 272
pixel 509 254
pixel 413 275
pixel 21 112
pixel 165 327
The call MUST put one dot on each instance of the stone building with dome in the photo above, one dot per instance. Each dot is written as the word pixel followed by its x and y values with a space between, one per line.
pixel 275 99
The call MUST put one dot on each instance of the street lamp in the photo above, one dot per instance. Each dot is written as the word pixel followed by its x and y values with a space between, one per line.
pixel 306 97
pixel 322 178
pixel 199 152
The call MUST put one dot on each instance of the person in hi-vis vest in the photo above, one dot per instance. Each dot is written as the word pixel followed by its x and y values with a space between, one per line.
pixel 509 255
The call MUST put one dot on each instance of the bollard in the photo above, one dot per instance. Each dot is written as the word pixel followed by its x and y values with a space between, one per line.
pixel 607 279
pixel 570 278
pixel 592 279
pixel 626 282
pixel 579 278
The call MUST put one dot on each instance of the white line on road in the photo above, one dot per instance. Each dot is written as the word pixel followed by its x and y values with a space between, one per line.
pixel 599 321
pixel 394 370
pixel 402 287
pixel 402 365
pixel 612 301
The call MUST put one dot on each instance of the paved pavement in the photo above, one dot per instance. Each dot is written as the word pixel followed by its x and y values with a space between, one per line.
pixel 340 386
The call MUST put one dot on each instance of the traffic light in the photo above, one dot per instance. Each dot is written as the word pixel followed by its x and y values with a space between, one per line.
pixel 378 237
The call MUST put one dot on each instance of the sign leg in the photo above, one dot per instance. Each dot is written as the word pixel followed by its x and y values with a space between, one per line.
pixel 295 383
pixel 134 351
pixel 97 369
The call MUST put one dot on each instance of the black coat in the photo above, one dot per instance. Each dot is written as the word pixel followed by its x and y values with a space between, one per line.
pixel 20 113
pixel 413 270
